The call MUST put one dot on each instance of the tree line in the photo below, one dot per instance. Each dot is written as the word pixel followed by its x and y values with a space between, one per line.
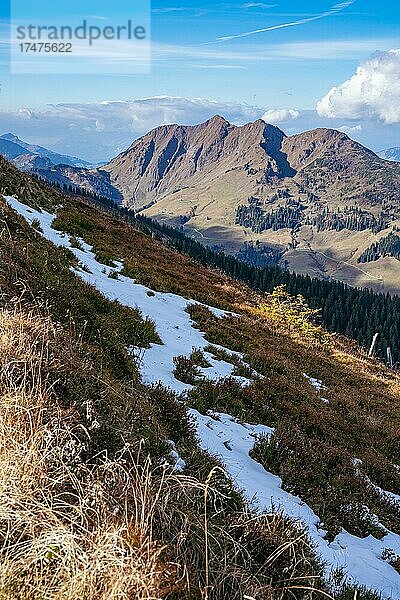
pixel 354 312
pixel 255 218
pixel 291 215
pixel 387 246
pixel 351 218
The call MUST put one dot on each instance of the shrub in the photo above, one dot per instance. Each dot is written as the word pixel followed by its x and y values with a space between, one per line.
pixel 75 242
pixel 186 370
pixel 323 476
pixel 293 313
pixel 104 258
pixel 37 225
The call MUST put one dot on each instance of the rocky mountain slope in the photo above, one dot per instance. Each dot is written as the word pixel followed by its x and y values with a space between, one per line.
pixel 96 181
pixel 313 201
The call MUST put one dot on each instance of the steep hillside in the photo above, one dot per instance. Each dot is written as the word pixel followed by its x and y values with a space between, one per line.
pixel 173 156
pixel 314 201
pixel 91 180
pixel 303 424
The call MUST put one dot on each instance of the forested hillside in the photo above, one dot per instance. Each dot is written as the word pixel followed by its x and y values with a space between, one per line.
pixel 356 313
pixel 387 246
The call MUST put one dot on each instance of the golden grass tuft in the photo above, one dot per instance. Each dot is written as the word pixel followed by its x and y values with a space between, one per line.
pixel 65 529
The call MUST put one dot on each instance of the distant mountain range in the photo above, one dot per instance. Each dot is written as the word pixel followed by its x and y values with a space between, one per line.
pixel 317 202
pixel 57 168
pixel 391 154
pixel 12 147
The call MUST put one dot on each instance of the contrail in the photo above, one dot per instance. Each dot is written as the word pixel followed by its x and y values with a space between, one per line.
pixel 332 11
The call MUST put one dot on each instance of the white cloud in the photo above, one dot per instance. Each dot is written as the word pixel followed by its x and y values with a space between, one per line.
pixel 280 115
pixel 170 9
pixel 329 49
pixel 350 128
pixel 97 131
pixel 138 116
pixel 372 93
pixel 258 5
pixel 335 9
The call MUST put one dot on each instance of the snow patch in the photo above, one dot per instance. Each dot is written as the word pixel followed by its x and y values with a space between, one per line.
pixel 179 463
pixel 167 311
pixel 316 383
pixel 361 559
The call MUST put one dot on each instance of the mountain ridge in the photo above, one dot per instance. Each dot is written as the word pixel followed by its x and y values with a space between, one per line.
pixel 42 152
pixel 313 202
pixel 201 176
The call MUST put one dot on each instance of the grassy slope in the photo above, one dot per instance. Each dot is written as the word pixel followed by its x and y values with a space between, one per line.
pixel 91 397
pixel 360 422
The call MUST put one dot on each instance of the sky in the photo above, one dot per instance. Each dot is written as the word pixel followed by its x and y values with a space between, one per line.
pixel 298 64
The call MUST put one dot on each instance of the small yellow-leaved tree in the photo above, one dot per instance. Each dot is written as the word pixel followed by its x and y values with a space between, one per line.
pixel 294 314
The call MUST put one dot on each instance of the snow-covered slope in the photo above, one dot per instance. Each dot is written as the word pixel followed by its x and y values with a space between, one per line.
pixel 220 434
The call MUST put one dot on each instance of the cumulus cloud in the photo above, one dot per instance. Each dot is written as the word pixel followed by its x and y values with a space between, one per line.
pixel 280 115
pixel 372 93
pixel 138 116
pixel 350 128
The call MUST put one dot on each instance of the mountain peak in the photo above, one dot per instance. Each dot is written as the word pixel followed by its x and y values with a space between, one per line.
pixel 10 137
pixel 217 119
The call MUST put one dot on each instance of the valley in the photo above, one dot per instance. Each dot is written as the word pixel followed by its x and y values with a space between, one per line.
pixel 312 203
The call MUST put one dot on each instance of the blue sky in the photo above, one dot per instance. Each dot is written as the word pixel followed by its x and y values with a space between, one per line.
pixel 199 51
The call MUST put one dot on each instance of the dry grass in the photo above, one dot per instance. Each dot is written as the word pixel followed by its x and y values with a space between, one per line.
pixel 77 526
pixel 176 273
pixel 74 527
pixel 64 528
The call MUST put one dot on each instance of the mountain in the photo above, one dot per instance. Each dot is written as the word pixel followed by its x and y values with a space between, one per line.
pixel 11 150
pixel 314 201
pixel 168 431
pixel 66 171
pixel 390 154
pixel 95 181
pixel 55 158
